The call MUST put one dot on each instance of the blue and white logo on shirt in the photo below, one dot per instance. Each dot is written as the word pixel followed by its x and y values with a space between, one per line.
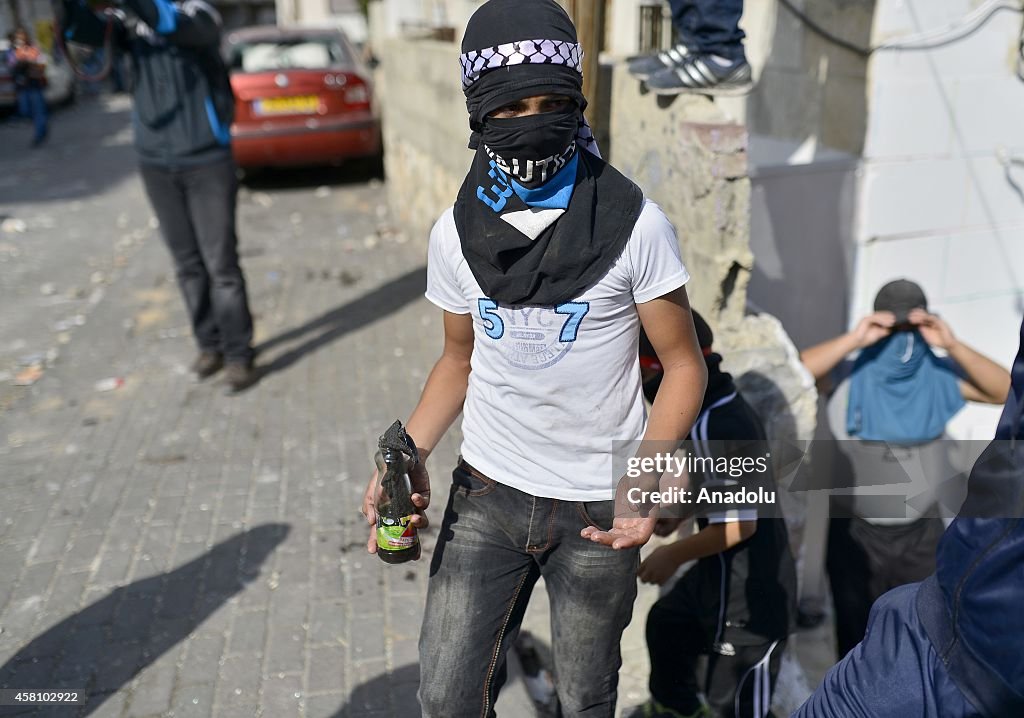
pixel 532 337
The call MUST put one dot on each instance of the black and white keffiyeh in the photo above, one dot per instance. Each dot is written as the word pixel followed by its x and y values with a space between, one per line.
pixel 515 49
pixel 529 52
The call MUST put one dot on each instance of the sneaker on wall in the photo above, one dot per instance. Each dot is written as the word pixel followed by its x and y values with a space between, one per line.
pixel 705 75
pixel 646 65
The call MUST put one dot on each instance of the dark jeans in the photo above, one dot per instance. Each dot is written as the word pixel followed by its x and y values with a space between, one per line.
pixel 32 105
pixel 196 209
pixel 710 26
pixel 736 686
pixel 865 560
pixel 495 543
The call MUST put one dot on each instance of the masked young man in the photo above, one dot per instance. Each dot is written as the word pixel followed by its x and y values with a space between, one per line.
pixel 545 268
pixel 889 415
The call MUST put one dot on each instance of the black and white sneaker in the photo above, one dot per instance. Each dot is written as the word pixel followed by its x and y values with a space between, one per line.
pixel 703 75
pixel 646 65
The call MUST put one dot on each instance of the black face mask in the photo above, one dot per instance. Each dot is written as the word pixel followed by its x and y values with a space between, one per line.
pixel 532 149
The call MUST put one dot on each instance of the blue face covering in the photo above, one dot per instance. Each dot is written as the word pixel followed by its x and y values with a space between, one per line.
pixel 556 192
pixel 901 393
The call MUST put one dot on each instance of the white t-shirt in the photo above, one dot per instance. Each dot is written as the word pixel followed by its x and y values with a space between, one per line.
pixel 550 389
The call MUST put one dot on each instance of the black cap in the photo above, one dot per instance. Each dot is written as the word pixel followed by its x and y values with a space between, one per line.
pixel 900 297
pixel 705 337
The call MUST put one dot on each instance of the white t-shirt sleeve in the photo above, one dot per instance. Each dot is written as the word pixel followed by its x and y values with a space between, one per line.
pixel 442 286
pixel 653 255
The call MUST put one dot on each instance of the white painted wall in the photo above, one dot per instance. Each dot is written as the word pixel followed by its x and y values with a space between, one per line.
pixel 935 203
pixel 865 173
pixel 392 18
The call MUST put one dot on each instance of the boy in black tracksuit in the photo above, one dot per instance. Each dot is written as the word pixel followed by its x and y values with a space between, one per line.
pixel 736 604
pixel 183 112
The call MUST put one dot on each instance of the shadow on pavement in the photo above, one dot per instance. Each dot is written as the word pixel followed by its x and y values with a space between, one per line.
pixel 346 318
pixel 394 694
pixel 390 694
pixel 81 158
pixel 105 645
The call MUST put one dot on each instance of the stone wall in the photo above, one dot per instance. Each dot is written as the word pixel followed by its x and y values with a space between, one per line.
pixel 426 129
pixel 691 160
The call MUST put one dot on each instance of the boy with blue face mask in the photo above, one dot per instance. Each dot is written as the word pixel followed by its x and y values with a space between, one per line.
pixel 889 412
pixel 546 267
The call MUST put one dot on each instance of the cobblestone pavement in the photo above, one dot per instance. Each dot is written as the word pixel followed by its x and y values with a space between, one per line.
pixel 173 550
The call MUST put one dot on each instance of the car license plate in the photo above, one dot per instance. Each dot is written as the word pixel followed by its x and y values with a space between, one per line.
pixel 298 105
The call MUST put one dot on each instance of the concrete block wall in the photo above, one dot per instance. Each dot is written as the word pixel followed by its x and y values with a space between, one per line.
pixel 692 161
pixel 426 129
pixel 807 87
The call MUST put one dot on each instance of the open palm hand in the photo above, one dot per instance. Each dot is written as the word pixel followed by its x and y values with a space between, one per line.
pixel 625 532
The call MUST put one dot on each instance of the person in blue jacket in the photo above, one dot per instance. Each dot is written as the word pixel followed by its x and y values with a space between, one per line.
pixel 183 109
pixel 951 646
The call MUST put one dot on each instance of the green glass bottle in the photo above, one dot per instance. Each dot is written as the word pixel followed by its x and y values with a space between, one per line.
pixel 397 541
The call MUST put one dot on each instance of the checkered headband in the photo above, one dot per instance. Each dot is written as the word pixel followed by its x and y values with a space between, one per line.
pixel 529 52
pixel 524 52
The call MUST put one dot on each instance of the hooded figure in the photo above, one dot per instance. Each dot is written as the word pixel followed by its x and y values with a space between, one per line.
pixel 546 267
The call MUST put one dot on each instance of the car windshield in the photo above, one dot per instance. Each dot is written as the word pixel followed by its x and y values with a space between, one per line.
pixel 288 54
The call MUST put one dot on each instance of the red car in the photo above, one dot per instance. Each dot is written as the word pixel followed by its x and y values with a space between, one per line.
pixel 301 98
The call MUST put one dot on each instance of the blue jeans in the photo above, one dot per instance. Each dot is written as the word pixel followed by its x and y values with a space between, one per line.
pixel 495 543
pixel 32 104
pixel 710 26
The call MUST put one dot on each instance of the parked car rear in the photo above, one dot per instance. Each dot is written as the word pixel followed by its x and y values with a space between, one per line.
pixel 302 97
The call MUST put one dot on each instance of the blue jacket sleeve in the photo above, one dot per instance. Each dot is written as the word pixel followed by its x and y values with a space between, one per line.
pixel 893 673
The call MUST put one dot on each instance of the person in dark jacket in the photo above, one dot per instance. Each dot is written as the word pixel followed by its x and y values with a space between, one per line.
pixel 183 112
pixel 736 605
pixel 950 646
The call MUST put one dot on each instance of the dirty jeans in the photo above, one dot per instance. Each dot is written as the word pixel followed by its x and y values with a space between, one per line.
pixel 196 209
pixel 710 26
pixel 495 543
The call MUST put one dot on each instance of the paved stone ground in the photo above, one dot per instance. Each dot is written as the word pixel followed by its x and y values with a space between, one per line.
pixel 173 550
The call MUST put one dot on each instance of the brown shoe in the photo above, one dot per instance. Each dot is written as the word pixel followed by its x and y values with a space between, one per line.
pixel 239 375
pixel 207 364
